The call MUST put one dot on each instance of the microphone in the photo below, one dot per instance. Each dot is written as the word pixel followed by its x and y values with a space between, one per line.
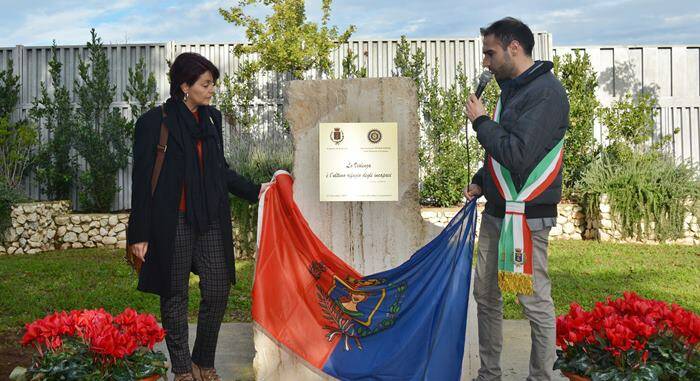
pixel 484 80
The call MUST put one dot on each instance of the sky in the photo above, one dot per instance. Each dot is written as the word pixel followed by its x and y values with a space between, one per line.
pixel 572 23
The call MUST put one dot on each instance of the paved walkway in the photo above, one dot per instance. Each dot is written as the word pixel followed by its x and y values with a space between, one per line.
pixel 235 352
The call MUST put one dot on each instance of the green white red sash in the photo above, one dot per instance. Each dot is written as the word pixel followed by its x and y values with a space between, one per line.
pixel 515 242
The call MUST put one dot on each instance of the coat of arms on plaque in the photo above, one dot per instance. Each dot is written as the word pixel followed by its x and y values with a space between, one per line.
pixel 337 135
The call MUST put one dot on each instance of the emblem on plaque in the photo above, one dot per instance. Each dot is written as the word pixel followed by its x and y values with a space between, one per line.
pixel 337 135
pixel 374 136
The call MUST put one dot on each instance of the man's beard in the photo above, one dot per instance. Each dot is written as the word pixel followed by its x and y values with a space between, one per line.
pixel 505 71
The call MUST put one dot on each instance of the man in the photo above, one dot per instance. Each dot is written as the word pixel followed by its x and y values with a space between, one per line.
pixel 527 130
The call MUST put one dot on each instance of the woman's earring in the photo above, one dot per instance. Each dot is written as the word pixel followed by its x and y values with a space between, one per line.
pixel 186 96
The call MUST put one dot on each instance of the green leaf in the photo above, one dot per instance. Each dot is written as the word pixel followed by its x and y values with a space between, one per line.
pixel 19 374
pixel 647 373
pixel 612 374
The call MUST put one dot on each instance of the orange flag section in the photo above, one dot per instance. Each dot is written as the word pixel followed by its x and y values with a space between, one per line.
pixel 285 302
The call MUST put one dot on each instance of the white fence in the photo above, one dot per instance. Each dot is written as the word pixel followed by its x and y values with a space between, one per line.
pixel 674 69
pixel 671 72
pixel 31 64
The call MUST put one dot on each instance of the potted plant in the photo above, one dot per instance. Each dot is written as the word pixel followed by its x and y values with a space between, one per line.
pixel 94 345
pixel 630 338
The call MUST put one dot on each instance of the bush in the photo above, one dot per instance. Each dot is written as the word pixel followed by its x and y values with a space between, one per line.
pixel 350 69
pixel 17 142
pixel 141 91
pixel 17 139
pixel 56 166
pixel 257 158
pixel 101 131
pixel 17 150
pixel 410 65
pixel 446 159
pixel 648 193
pixel 8 197
pixel 579 79
pixel 443 153
pixel 237 96
pixel 630 123
pixel 9 90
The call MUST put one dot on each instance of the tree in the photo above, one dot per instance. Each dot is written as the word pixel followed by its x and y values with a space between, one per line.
pixel 141 92
pixel 409 64
pixel 579 79
pixel 56 168
pixel 237 97
pixel 285 41
pixel 17 139
pixel 350 69
pixel 9 89
pixel 630 123
pixel 442 155
pixel 101 131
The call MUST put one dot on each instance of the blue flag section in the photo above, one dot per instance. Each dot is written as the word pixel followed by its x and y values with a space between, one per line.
pixel 407 323
pixel 410 321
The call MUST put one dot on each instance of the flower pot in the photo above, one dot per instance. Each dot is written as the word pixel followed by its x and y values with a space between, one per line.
pixel 154 377
pixel 575 377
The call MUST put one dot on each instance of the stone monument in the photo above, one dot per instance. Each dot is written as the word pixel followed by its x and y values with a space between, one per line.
pixel 370 236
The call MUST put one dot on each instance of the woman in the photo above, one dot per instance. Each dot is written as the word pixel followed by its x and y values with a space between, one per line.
pixel 185 225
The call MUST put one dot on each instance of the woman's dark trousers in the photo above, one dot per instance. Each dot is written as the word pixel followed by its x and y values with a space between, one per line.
pixel 205 253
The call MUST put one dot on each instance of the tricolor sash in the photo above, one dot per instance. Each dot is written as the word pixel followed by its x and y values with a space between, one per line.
pixel 515 242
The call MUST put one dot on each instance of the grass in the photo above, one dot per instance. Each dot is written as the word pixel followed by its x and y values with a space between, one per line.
pixel 32 286
pixel 584 272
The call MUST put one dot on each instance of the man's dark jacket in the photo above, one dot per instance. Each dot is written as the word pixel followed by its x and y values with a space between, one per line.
pixel 153 219
pixel 534 118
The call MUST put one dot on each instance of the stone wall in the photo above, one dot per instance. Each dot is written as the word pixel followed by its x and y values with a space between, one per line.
pixel 604 228
pixel 571 221
pixel 50 225
pixel 44 226
pixel 91 230
pixel 33 227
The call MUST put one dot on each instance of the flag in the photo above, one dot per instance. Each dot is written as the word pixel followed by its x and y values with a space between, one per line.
pixel 406 323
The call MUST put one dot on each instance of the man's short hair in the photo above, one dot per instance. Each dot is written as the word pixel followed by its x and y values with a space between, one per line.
pixel 509 29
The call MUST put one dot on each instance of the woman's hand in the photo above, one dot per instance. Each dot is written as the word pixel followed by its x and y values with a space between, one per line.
pixel 263 188
pixel 140 250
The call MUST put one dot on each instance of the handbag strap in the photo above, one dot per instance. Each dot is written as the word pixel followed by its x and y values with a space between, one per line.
pixel 160 152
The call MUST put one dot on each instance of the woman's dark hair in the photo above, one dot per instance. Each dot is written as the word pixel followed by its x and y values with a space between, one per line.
pixel 187 68
pixel 508 29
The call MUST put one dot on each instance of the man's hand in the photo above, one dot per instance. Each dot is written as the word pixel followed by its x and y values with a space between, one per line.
pixel 472 191
pixel 475 108
pixel 140 250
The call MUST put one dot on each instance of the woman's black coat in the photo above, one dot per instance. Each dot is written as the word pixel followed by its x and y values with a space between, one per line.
pixel 153 219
